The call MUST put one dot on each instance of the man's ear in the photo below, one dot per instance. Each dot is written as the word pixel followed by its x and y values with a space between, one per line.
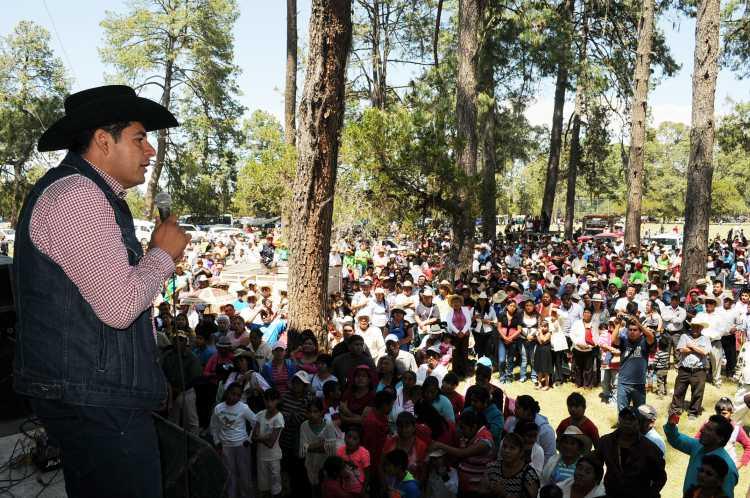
pixel 102 141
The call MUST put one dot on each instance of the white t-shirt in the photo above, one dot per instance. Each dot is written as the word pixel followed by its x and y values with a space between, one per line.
pixel 228 423
pixel 264 427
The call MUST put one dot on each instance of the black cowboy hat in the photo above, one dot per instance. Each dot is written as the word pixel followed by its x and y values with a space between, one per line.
pixel 102 106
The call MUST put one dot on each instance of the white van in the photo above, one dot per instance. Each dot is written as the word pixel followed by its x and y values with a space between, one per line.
pixel 143 229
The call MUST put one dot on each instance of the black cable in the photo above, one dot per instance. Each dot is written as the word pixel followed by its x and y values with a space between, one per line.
pixel 182 385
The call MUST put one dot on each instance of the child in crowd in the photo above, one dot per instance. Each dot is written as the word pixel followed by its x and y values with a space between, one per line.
pixel 318 440
pixel 610 361
pixel 357 460
pixel 442 479
pixel 332 479
pixel 323 374
pixel 661 364
pixel 725 408
pixel 450 383
pixel 230 437
pixel 400 481
pixel 577 410
pixel 331 400
pixel 446 349
pixel 266 433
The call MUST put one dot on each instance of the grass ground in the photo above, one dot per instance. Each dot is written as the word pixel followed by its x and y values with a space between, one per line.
pixel 604 416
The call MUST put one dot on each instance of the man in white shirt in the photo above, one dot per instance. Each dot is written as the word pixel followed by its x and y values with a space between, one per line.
pixel 373 336
pixel 713 333
pixel 432 367
pixel 404 360
pixel 630 297
pixel 674 317
pixel 362 299
pixel 732 323
pixel 407 301
pixel 569 313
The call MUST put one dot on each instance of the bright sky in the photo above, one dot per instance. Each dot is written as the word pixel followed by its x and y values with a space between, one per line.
pixel 260 52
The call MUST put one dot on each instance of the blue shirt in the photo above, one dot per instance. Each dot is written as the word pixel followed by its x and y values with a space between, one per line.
pixel 633 360
pixel 694 448
pixel 204 354
pixel 444 408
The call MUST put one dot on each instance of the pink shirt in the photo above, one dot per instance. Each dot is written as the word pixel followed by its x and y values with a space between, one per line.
pixel 359 461
pixel 74 225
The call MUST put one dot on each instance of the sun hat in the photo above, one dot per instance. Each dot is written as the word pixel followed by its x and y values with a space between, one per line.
pixel 391 338
pixel 102 106
pixel 303 376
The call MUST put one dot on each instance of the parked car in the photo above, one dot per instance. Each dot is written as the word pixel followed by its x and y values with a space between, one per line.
pixel 223 231
pixel 195 233
pixel 143 230
pixel 10 234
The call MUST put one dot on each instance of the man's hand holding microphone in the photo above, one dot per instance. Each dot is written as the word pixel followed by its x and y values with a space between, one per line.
pixel 168 236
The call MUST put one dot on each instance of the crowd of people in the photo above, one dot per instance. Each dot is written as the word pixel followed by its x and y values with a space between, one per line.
pixel 399 397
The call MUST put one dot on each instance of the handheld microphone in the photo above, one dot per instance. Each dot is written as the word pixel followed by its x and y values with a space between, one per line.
pixel 163 203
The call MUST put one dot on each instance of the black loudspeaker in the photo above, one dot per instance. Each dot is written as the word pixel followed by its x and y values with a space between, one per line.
pixel 206 475
pixel 13 405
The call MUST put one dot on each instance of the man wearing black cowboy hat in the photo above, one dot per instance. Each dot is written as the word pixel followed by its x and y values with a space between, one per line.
pixel 86 354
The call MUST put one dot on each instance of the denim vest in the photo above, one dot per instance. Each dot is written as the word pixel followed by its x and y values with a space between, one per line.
pixel 63 350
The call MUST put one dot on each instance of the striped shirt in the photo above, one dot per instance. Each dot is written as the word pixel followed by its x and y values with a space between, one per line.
pixel 74 225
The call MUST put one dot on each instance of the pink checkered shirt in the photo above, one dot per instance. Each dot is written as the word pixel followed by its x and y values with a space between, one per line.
pixel 74 225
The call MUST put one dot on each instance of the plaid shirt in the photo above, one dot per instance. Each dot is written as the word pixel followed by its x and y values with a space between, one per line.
pixel 74 225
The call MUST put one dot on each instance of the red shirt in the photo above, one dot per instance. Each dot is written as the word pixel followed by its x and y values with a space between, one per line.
pixel 587 427
pixel 374 432
pixel 457 401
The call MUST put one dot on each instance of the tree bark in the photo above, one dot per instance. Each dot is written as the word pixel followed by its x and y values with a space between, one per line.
pixel 638 124
pixel 555 143
pixel 700 166
pixel 573 161
pixel 469 16
pixel 321 116
pixel 161 141
pixel 290 91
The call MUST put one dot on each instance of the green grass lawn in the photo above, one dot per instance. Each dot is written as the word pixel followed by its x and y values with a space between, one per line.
pixel 604 416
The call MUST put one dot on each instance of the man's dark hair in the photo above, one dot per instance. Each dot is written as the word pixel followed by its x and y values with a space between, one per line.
pixel 717 463
pixel 550 491
pixel 397 458
pixel 576 399
pixel 80 141
pixel 525 427
pixel 325 359
pixel 382 398
pixel 598 465
pixel 451 378
pixel 528 403
pixel 329 387
pixel 271 394
pixel 724 428
pixel 354 338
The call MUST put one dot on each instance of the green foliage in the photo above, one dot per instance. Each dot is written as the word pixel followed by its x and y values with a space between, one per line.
pixel 264 181
pixel 736 37
pixel 32 89
pixel 184 51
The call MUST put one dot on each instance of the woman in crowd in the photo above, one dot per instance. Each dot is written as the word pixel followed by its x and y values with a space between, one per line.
pixel 585 336
pixel 400 328
pixel 439 428
pixel 279 371
pixel 510 475
pixel 407 439
pixel 306 356
pixel 474 452
pixel 509 327
pixel 380 310
pixel 431 394
pixel 530 321
pixel 586 481
pixel 486 325
pixel 458 320
pixel 387 375
pixel 359 394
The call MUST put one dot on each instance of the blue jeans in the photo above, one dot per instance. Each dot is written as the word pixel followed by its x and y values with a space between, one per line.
pixel 527 358
pixel 110 452
pixel 630 394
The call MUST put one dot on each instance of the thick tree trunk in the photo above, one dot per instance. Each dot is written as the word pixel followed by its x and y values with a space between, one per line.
pixel 469 16
pixel 700 166
pixel 573 161
pixel 321 116
pixel 290 92
pixel 161 144
pixel 638 124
